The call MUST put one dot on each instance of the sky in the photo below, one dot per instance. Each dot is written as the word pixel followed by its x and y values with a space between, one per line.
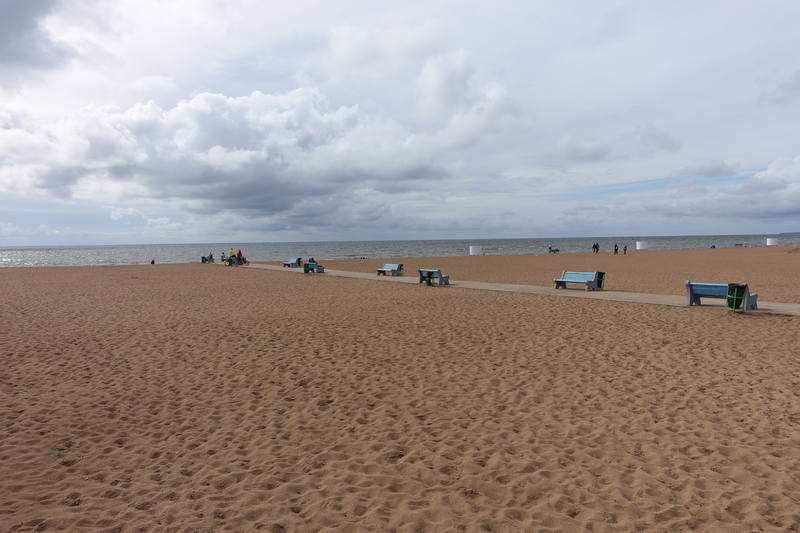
pixel 180 121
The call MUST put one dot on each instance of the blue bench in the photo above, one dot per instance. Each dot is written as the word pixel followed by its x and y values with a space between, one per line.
pixel 592 280
pixel 695 291
pixel 392 269
pixel 430 274
pixel 292 263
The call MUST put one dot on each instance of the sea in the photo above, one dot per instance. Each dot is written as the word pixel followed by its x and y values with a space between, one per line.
pixel 43 256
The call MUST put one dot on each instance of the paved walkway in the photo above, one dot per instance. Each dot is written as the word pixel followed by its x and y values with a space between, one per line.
pixel 774 308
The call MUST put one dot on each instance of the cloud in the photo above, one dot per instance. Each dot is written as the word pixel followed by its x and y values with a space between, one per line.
pixel 478 120
pixel 768 195
pixel 582 150
pixel 8 229
pixel 641 141
pixel 648 139
pixel 25 45
pixel 118 213
pixel 708 169
pixel 785 93
pixel 260 154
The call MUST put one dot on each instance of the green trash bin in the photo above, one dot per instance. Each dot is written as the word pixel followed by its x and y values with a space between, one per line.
pixel 735 299
pixel 306 268
pixel 601 277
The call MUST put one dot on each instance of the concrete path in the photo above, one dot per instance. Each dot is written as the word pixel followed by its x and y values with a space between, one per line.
pixel 775 308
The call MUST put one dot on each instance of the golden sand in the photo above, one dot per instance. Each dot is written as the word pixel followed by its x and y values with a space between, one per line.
pixel 202 398
pixel 771 272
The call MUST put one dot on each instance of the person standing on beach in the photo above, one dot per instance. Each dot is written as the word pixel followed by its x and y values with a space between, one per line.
pixel 625 250
pixel 616 249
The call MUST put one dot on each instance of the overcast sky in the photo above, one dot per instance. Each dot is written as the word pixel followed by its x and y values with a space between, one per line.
pixel 157 121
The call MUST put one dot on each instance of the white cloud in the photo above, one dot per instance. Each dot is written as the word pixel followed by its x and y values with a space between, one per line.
pixel 261 153
pixel 118 213
pixel 367 115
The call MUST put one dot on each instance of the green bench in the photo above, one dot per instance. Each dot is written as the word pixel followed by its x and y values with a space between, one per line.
pixel 737 295
pixel 428 275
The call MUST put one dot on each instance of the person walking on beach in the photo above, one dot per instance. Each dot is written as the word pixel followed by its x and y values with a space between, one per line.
pixel 616 249
pixel 625 250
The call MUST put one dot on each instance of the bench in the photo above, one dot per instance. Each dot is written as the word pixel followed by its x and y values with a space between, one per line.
pixel 430 274
pixel 392 269
pixel 292 263
pixel 315 268
pixel 695 291
pixel 592 280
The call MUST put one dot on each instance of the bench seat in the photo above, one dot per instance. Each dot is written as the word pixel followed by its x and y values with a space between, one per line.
pixel 592 280
pixel 695 291
pixel 392 269
pixel 433 274
pixel 315 268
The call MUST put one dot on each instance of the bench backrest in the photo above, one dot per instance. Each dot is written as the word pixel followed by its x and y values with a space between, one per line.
pixel 578 277
pixel 433 273
pixel 719 290
pixel 390 266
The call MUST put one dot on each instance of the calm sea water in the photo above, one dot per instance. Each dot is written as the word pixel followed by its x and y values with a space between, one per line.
pixel 279 251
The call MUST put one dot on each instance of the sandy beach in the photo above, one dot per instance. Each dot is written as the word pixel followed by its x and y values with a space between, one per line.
pixel 202 398
pixel 772 272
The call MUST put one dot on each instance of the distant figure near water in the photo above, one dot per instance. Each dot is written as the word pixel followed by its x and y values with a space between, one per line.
pixel 616 249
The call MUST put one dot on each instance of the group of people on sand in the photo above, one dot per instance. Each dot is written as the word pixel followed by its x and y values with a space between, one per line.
pixel 596 248
pixel 234 258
